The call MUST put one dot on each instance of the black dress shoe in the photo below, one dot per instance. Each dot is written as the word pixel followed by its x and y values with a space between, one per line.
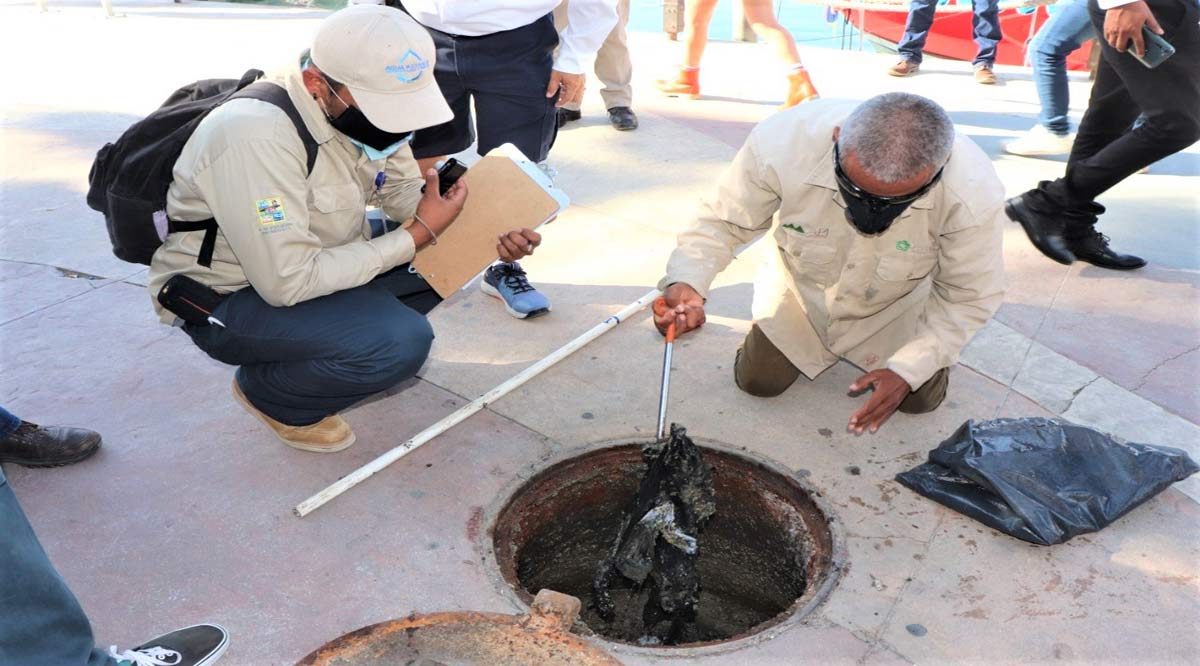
pixel 622 118
pixel 1093 248
pixel 1044 231
pixel 565 116
pixel 32 445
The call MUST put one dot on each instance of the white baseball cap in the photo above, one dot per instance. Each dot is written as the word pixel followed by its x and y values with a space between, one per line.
pixel 386 60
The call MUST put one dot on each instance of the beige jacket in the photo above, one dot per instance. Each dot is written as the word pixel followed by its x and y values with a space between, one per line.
pixel 908 299
pixel 291 237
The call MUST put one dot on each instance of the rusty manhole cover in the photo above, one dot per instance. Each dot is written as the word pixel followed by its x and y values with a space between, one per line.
pixel 767 556
pixel 469 639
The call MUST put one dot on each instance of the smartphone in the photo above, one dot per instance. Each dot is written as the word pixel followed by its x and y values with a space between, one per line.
pixel 1157 49
pixel 448 174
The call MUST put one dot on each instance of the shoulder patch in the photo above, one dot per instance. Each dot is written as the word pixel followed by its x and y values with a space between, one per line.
pixel 270 211
pixel 272 217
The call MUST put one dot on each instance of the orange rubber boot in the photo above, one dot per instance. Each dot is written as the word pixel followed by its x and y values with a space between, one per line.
pixel 687 84
pixel 800 89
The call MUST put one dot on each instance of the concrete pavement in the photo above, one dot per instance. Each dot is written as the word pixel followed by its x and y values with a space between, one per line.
pixel 184 516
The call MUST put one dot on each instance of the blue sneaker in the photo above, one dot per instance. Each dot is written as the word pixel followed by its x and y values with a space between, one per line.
pixel 508 284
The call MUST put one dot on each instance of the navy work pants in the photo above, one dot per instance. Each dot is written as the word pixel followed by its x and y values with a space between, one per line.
pixel 506 74
pixel 41 622
pixel 302 363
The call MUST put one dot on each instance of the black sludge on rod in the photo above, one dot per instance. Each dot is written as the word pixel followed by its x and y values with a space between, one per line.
pixel 652 561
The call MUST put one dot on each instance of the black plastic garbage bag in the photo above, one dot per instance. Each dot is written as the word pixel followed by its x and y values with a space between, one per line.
pixel 1044 481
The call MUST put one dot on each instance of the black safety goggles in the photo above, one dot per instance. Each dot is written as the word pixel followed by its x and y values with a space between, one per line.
pixel 873 201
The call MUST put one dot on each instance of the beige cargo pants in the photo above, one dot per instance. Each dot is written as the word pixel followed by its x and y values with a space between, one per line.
pixel 613 66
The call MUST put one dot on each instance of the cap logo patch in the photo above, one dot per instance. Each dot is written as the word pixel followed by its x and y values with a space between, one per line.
pixel 409 68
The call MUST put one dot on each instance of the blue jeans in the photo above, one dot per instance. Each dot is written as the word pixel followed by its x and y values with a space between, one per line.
pixel 1067 29
pixel 41 622
pixel 986 24
pixel 302 363
pixel 8 423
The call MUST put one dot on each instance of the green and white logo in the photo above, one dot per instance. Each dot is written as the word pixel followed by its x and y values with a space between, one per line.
pixel 903 245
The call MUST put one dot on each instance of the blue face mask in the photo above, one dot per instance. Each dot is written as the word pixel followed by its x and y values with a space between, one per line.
pixel 374 154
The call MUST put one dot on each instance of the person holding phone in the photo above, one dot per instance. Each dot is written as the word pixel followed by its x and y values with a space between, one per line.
pixel 317 309
pixel 1060 216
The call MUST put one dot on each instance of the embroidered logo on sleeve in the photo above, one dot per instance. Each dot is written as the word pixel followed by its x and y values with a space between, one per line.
pixel 271 215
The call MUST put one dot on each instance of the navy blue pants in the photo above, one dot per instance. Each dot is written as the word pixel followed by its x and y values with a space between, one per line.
pixel 41 622
pixel 302 363
pixel 506 73
pixel 986 25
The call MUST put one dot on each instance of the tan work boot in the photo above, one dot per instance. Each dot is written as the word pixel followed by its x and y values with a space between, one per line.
pixel 687 84
pixel 985 75
pixel 904 68
pixel 800 89
pixel 329 435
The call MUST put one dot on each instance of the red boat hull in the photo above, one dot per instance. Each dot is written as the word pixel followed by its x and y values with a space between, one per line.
pixel 951 35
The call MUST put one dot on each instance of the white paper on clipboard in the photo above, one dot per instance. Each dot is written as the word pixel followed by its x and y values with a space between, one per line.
pixel 536 174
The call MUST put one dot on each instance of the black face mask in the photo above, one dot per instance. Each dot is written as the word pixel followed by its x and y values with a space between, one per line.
pixel 867 218
pixel 869 213
pixel 355 125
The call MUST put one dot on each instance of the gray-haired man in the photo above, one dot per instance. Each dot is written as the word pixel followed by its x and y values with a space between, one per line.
pixel 887 250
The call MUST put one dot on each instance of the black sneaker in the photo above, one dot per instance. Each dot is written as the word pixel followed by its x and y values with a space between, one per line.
pixel 32 445
pixel 1045 231
pixel 199 645
pixel 623 118
pixel 1093 248
pixel 567 116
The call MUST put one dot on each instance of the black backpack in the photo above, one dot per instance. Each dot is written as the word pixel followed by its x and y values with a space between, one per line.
pixel 129 179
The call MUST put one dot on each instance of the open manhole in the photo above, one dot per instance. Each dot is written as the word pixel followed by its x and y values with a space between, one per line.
pixel 766 556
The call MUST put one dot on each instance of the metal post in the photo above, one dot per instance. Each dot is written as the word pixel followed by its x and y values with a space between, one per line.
pixel 742 32
pixel 673 18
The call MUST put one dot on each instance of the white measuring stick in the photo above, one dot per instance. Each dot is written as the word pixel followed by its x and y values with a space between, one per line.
pixel 366 471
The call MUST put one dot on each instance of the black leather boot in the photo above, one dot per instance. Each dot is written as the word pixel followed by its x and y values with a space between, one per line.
pixel 1044 228
pixel 32 445
pixel 622 118
pixel 1093 248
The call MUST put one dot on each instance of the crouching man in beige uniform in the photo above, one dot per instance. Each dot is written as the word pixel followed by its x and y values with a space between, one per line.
pixel 316 307
pixel 887 254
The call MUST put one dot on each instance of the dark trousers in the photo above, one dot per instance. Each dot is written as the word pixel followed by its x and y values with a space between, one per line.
pixel 1110 146
pixel 506 74
pixel 986 25
pixel 41 623
pixel 302 363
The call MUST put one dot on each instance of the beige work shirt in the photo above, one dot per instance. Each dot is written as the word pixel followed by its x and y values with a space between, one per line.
pixel 291 236
pixel 907 299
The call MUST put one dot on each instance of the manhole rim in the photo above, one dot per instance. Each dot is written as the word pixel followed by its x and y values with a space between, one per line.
pixel 795 615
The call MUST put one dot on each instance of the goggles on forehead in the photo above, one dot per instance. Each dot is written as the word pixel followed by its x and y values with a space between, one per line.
pixel 873 201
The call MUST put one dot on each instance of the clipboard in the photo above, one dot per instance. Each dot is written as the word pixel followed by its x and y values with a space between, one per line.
pixel 505 191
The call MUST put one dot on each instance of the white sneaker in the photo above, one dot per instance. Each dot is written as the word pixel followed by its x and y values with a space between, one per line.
pixel 1040 141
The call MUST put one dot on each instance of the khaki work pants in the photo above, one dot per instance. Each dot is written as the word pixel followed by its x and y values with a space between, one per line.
pixel 613 66
pixel 763 371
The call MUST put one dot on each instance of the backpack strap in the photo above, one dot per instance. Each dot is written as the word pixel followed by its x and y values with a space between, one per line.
pixel 272 94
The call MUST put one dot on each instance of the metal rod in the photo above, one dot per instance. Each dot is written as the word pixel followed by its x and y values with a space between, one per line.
pixel 666 382
pixel 366 471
